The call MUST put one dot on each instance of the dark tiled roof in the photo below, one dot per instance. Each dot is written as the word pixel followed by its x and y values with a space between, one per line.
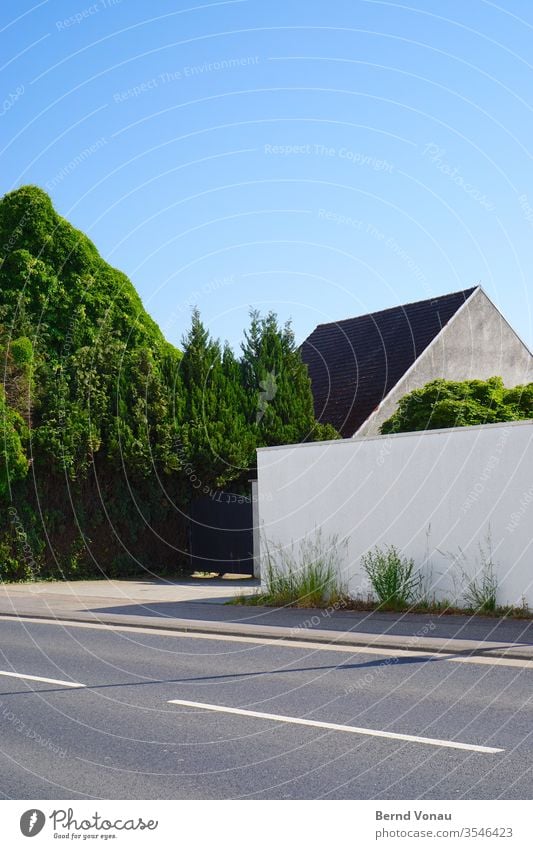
pixel 353 364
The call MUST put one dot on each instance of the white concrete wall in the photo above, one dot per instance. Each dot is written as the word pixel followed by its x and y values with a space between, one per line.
pixel 477 343
pixel 441 492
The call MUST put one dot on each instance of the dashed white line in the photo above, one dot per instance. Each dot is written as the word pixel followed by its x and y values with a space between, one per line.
pixel 44 680
pixel 333 726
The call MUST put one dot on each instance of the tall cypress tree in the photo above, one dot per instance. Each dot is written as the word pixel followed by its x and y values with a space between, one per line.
pixel 215 440
pixel 278 389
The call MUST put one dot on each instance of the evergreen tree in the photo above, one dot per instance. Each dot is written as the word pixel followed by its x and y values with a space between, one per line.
pixel 279 401
pixel 215 441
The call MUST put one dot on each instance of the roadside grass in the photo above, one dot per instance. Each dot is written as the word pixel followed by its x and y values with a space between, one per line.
pixel 309 578
pixel 481 588
pixel 369 605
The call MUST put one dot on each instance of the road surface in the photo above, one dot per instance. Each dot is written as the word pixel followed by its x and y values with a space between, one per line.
pixel 117 713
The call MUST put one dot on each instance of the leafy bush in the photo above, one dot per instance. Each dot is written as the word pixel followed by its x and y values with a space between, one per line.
pixel 13 461
pixel 447 403
pixel 14 568
pixel 22 351
pixel 394 578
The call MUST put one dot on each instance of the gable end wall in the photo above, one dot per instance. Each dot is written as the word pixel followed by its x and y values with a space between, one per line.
pixel 477 343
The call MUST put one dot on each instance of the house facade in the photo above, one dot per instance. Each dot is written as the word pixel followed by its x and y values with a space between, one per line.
pixel 361 367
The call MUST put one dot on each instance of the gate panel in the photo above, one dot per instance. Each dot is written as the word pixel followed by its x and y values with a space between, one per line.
pixel 222 533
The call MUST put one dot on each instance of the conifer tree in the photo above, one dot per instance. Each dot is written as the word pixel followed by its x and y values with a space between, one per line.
pixel 215 441
pixel 278 389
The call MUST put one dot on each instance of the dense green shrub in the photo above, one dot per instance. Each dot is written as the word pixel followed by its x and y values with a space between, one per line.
pixel 107 432
pixel 447 403
pixel 13 461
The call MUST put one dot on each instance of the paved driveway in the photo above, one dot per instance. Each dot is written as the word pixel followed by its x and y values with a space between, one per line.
pixel 208 590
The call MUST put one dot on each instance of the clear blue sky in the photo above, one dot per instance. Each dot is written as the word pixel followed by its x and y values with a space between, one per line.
pixel 321 159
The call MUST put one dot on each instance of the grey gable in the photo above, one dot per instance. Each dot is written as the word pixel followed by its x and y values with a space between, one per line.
pixel 353 364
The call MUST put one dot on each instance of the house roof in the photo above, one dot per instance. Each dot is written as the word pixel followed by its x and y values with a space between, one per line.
pixel 353 364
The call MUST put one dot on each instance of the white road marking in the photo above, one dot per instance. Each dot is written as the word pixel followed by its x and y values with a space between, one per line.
pixel 495 661
pixel 44 680
pixel 275 641
pixel 332 726
pixel 226 638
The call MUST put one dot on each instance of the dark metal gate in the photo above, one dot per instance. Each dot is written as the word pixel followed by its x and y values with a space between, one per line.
pixel 222 533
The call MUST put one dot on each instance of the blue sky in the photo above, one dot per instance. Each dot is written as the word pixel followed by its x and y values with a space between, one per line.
pixel 321 159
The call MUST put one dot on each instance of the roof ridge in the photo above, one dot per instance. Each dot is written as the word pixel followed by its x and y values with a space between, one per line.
pixel 466 292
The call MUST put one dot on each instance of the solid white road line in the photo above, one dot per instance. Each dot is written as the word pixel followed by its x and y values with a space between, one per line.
pixel 332 726
pixel 275 642
pixel 44 680
pixel 227 638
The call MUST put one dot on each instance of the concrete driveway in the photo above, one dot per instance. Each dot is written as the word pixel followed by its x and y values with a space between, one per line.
pixel 207 590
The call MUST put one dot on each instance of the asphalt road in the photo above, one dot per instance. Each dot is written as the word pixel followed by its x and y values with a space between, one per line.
pixel 123 736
